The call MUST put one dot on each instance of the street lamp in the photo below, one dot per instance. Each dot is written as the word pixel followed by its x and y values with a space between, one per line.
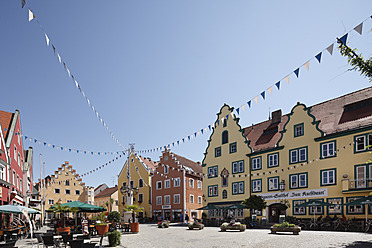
pixel 282 186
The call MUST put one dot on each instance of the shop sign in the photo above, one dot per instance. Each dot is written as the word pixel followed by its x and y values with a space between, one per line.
pixel 295 194
pixel 166 207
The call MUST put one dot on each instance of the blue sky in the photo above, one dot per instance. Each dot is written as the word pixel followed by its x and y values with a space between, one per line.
pixel 157 71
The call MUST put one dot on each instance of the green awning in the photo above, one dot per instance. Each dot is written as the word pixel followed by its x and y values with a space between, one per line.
pixel 82 206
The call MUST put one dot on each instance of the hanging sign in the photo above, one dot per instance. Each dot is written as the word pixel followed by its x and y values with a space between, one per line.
pixel 295 194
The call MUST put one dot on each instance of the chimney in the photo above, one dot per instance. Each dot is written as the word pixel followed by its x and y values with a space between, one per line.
pixel 276 116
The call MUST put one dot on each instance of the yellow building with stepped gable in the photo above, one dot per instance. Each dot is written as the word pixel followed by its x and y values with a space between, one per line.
pixel 319 152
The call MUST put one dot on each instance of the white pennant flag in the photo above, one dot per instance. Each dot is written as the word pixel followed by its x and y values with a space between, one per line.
pixel 307 64
pixel 198 133
pixel 76 83
pixel 232 114
pixel 243 107
pixel 222 119
pixel 359 28
pixel 47 39
pixel 287 79
pixel 270 90
pixel 30 15
pixel 330 49
pixel 206 129
pixel 68 71
pixel 256 99
pixel 59 57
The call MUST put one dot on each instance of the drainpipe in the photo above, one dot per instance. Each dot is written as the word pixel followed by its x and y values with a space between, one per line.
pixel 184 194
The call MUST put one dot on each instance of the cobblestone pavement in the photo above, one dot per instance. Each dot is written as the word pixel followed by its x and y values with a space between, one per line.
pixel 180 236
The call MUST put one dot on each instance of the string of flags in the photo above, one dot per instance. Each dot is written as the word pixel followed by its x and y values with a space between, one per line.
pixel 102 166
pixel 263 95
pixel 62 148
pixel 31 16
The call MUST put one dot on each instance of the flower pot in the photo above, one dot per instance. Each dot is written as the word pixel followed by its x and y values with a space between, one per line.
pixel 63 229
pixel 102 229
pixel 134 227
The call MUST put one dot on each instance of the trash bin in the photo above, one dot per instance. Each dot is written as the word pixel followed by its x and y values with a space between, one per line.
pixel 281 218
pixel 263 220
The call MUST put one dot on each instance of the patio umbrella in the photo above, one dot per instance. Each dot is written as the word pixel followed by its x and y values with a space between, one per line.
pixel 314 203
pixel 367 200
pixel 17 209
pixel 208 207
pixel 82 206
pixel 235 206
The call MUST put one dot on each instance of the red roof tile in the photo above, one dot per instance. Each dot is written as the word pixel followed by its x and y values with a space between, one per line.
pixel 107 192
pixel 5 119
pixel 188 163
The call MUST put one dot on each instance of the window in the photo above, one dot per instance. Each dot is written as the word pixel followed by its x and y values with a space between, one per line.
pixel 225 137
pixel 191 182
pixel 363 176
pixel 298 155
pixel 233 148
pixel 273 160
pixel 298 181
pixel 363 142
pixel 337 207
pixel 176 199
pixel 213 190
pixel 199 184
pixel 51 202
pixel 15 153
pixel 212 171
pixel 19 159
pixel 224 122
pixel 117 202
pixel 176 182
pixel 17 182
pixel 166 169
pixel 69 201
pixel 57 191
pixel 167 199
pixel 67 183
pixel 224 194
pixel 328 177
pixel 167 184
pixel 217 152
pixel 273 183
pixel 158 200
pixel 256 185
pixel 158 185
pixel 298 130
pixel 132 184
pixel 297 210
pixel 124 184
pixel 140 183
pixel 20 185
pixel 238 188
pixel 191 198
pixel 199 200
pixel 256 163
pixel 77 192
pixel 328 149
pixel 354 209
pixel 13 181
pixel 316 209
pixel 2 172
pixel 238 166
pixel 67 191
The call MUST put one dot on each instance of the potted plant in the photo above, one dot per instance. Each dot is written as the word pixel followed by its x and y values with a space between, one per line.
pixel 113 238
pixel 102 226
pixel 114 218
pixel 134 226
pixel 61 210
pixel 285 227
pixel 163 224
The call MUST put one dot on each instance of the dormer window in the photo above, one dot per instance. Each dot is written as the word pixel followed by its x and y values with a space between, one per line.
pixel 225 137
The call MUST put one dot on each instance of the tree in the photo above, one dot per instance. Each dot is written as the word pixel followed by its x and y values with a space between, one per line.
pixel 254 202
pixel 61 210
pixel 134 209
pixel 358 63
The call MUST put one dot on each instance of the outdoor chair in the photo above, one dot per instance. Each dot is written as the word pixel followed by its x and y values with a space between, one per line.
pixel 48 240
pixel 76 243
pixel 39 239
pixel 88 245
pixel 87 236
pixel 66 238
pixel 10 243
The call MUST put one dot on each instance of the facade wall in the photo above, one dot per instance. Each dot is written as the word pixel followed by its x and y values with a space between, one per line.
pixel 195 191
pixel 4 176
pixel 102 202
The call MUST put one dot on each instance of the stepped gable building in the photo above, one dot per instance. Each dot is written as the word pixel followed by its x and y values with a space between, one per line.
pixel 320 153
pixel 11 127
pixel 4 170
pixel 65 185
pixel 177 188
pixel 138 177
pixel 108 198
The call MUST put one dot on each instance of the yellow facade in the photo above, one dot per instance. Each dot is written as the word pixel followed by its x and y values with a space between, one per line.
pixel 140 169
pixel 110 202
pixel 315 153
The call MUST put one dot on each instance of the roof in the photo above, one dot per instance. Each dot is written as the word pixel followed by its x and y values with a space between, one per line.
pixel 107 192
pixel 150 164
pixel 188 163
pixel 6 120
pixel 100 186
pixel 343 113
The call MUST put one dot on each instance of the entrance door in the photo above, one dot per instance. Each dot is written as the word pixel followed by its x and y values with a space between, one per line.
pixel 361 177
pixel 275 210
pixel 167 215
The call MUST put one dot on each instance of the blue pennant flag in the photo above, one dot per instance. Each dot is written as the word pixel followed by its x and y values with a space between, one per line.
pixel 99 153
pixel 263 94
pixel 209 126
pixel 25 137
pixel 188 137
pixel 237 111
pixel 344 39
pixel 69 150
pixel 319 56
pixel 85 152
pixel 183 140
pixel 178 142
pixel 45 143
pixel 201 130
pixel 227 117
pixel 249 103
pixel 53 146
pixel 77 151
pixel 297 71
pixel 35 140
pixel 61 148
pixel 91 153
pixel 195 134
pixel 278 85
pixel 16 133
pixel 218 122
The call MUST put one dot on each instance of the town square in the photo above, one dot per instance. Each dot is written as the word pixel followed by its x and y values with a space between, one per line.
pixel 186 123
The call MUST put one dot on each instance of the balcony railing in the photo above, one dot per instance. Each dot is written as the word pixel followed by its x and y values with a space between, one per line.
pixel 364 183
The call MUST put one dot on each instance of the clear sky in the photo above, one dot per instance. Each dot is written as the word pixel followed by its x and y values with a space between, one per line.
pixel 157 71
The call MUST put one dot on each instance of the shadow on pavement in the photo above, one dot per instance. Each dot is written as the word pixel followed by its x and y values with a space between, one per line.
pixel 359 244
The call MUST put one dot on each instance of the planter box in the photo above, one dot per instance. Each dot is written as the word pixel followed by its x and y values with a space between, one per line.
pixel 236 226
pixel 194 225
pixel 295 230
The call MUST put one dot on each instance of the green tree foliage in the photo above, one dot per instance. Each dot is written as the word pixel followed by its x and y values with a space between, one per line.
pixel 254 203
pixel 358 63
pixel 114 216
pixel 134 209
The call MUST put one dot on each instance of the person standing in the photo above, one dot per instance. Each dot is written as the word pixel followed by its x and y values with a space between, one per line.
pixel 187 219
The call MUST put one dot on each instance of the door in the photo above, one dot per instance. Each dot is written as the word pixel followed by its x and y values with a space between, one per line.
pixel 361 177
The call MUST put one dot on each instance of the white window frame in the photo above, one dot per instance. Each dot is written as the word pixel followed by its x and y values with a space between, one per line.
pixel 167 184
pixel 294 156
pixel 157 185
pixel 176 199
pixel 272 159
pixel 177 182
pixel 199 184
pixel 166 169
pixel 191 198
pixel 167 200
pixel 273 183
pixel 66 192
pixel 56 192
pixel 357 143
pixel 256 185
pixel 297 129
pixel 199 200
pixel 191 183
pixel 15 153
pixel 326 177
pixel 51 201
pixel 158 200
pixel 256 163
pixel 77 192
pixel 2 172
pixel 299 154
pixel 213 171
pixel 326 151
